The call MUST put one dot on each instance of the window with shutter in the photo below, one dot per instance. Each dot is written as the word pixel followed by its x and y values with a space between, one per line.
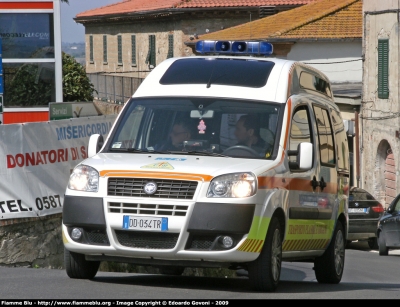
pixel 133 45
pixel 104 49
pixel 151 55
pixel 383 68
pixel 170 46
pixel 91 49
pixel 119 38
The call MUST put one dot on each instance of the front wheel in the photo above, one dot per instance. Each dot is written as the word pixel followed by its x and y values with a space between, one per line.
pixel 383 250
pixel 78 267
pixel 329 267
pixel 265 271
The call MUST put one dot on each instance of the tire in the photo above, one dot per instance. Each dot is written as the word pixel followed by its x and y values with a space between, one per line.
pixel 265 271
pixel 171 270
pixel 383 250
pixel 78 267
pixel 373 243
pixel 329 267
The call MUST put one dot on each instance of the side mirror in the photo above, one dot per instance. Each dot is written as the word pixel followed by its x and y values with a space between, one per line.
pixel 304 156
pixel 96 142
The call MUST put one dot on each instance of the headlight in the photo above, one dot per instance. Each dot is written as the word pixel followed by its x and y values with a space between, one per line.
pixel 84 178
pixel 237 185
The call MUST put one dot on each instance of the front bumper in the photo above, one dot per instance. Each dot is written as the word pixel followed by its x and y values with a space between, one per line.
pixel 194 234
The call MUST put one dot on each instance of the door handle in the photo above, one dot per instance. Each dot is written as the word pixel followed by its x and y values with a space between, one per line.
pixel 322 184
pixel 315 183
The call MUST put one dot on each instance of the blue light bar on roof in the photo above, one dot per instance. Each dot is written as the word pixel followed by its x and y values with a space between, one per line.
pixel 234 47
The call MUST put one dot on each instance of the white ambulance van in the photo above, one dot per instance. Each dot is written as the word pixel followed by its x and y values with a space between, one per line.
pixel 231 159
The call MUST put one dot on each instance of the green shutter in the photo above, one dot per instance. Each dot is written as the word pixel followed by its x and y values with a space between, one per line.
pixel 104 48
pixel 170 46
pixel 119 37
pixel 383 68
pixel 151 55
pixel 91 48
pixel 133 43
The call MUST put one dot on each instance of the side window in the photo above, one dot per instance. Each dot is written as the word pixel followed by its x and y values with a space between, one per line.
pixel 300 132
pixel 151 55
pixel 325 137
pixel 119 44
pixel 170 46
pixel 341 141
pixel 133 49
pixel 104 49
pixel 91 58
pixel 397 206
pixel 127 136
pixel 383 68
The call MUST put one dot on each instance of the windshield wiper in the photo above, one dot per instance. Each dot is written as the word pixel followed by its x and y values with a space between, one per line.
pixel 135 150
pixel 200 153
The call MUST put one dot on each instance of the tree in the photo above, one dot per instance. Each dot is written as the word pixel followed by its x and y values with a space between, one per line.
pixel 76 84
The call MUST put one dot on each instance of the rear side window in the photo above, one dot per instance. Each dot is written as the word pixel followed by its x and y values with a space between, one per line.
pixel 235 72
pixel 324 127
pixel 341 141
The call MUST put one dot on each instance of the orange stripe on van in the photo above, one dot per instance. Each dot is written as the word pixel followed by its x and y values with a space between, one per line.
pixel 137 174
pixel 296 184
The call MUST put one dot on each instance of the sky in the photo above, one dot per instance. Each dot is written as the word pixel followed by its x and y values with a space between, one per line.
pixel 72 32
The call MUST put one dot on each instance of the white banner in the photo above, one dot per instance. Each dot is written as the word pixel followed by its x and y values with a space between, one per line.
pixel 37 160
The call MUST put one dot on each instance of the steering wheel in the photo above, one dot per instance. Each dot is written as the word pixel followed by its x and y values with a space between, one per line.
pixel 240 150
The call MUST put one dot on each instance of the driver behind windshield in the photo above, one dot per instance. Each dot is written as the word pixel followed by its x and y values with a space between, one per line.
pixel 247 133
pixel 181 131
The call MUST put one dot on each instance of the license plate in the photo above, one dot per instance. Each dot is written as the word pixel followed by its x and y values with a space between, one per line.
pixel 358 210
pixel 145 223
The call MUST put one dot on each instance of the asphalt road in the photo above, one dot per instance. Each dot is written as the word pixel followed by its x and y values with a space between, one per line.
pixel 367 276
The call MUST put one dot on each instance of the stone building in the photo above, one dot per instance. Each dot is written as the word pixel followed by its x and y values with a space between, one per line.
pixel 132 36
pixel 380 108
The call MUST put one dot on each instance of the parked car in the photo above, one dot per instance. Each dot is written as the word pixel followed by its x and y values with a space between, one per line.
pixel 364 214
pixel 388 231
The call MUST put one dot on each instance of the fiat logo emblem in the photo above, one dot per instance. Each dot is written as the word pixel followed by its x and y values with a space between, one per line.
pixel 150 188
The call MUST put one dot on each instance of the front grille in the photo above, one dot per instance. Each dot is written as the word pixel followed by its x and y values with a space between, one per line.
pixel 148 240
pixel 202 242
pixel 133 187
pixel 149 209
pixel 97 238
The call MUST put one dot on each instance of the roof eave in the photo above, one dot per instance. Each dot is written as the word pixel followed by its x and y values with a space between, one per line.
pixel 291 40
pixel 154 13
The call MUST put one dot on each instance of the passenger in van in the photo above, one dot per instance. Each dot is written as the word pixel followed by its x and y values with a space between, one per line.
pixel 247 132
pixel 181 131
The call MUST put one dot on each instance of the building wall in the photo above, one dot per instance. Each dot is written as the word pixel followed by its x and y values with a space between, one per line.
pixel 373 5
pixel 181 29
pixel 380 118
pixel 340 61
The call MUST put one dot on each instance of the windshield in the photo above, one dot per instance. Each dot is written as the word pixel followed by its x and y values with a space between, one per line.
pixel 199 126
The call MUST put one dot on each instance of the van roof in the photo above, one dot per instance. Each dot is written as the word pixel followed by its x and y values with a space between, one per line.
pixel 256 78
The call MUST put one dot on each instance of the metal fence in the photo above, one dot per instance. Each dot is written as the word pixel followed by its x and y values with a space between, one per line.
pixel 115 89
